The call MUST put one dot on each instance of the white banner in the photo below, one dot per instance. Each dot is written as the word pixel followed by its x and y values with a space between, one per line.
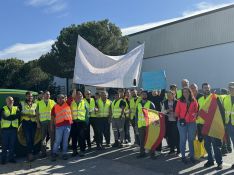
pixel 97 69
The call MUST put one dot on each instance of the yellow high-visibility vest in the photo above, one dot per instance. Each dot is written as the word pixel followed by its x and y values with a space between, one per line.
pixel 28 110
pixel 103 108
pixel 229 109
pixel 141 119
pixel 7 113
pixel 91 107
pixel 78 112
pixel 45 110
pixel 116 110
pixel 133 107
pixel 201 101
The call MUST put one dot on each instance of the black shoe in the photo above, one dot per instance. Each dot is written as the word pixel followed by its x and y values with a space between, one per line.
pixel 89 148
pixel 65 157
pixel 99 148
pixel 208 164
pixel 53 157
pixel 192 160
pixel 184 160
pixel 229 149
pixel 120 145
pixel 74 153
pixel 12 161
pixel 3 162
pixel 232 167
pixel 219 167
pixel 115 145
pixel 43 155
pixel 171 152
pixel 81 154
pixel 141 155
pixel 108 145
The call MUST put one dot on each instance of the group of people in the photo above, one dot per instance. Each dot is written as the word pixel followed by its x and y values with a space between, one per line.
pixel 69 119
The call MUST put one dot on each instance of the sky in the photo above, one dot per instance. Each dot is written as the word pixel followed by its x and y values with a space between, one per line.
pixel 28 28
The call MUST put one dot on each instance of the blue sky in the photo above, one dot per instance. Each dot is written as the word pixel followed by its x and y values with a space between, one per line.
pixel 29 27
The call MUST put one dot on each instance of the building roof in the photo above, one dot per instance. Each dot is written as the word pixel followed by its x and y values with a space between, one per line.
pixel 172 21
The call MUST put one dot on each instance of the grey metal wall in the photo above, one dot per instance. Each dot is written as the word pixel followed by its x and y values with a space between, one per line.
pixel 214 65
pixel 201 31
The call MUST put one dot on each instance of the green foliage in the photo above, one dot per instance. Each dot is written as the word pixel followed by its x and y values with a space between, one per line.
pixel 103 35
pixel 19 75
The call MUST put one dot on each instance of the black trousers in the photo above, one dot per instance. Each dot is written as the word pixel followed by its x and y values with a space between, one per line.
pixel 127 129
pixel 173 135
pixel 94 123
pixel 87 135
pixel 103 130
pixel 78 134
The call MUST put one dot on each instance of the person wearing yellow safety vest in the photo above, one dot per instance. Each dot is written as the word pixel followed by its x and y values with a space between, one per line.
pixel 141 123
pixel 29 122
pixel 91 105
pixel 117 110
pixel 103 120
pixel 226 145
pixel 44 107
pixel 209 141
pixel 228 104
pixel 134 100
pixel 184 83
pixel 79 116
pixel 9 124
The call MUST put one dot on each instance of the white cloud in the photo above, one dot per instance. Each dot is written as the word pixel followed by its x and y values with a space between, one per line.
pixel 134 29
pixel 201 7
pixel 49 6
pixel 26 52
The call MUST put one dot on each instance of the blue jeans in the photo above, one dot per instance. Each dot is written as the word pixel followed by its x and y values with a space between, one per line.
pixel 61 134
pixel 230 130
pixel 8 143
pixel 187 132
pixel 217 144
pixel 29 129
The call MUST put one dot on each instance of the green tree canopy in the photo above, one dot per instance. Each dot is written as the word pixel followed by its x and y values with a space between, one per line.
pixel 19 75
pixel 103 35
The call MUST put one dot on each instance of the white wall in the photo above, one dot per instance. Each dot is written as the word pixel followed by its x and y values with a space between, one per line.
pixel 214 65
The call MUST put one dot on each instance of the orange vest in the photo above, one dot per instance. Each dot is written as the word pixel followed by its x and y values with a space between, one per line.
pixel 62 113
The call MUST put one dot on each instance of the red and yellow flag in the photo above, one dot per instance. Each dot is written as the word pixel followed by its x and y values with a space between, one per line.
pixel 213 121
pixel 155 128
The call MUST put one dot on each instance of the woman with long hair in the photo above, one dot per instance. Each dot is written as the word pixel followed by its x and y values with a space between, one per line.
pixel 186 111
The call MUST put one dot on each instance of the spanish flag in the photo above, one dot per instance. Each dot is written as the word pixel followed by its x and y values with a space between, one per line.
pixel 155 128
pixel 213 120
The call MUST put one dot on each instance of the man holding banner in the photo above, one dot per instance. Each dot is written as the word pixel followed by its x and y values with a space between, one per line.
pixel 213 128
pixel 140 119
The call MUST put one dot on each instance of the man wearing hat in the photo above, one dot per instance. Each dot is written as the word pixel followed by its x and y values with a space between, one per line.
pixel 228 104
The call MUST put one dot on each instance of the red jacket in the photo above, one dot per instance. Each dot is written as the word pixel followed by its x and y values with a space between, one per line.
pixel 181 109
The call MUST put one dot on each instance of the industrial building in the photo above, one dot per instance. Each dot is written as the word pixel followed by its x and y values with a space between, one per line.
pixel 199 48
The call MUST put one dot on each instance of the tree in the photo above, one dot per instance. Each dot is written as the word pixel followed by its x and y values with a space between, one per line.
pixel 8 69
pixel 103 35
pixel 32 77
pixel 16 74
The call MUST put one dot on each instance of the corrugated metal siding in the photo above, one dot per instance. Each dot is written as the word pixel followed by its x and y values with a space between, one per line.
pixel 202 31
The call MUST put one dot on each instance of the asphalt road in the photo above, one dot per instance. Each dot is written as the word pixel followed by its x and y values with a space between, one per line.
pixel 116 161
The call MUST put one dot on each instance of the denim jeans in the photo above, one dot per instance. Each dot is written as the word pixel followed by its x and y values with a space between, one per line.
pixel 61 134
pixel 187 132
pixel 8 142
pixel 217 144
pixel 230 130
pixel 29 129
